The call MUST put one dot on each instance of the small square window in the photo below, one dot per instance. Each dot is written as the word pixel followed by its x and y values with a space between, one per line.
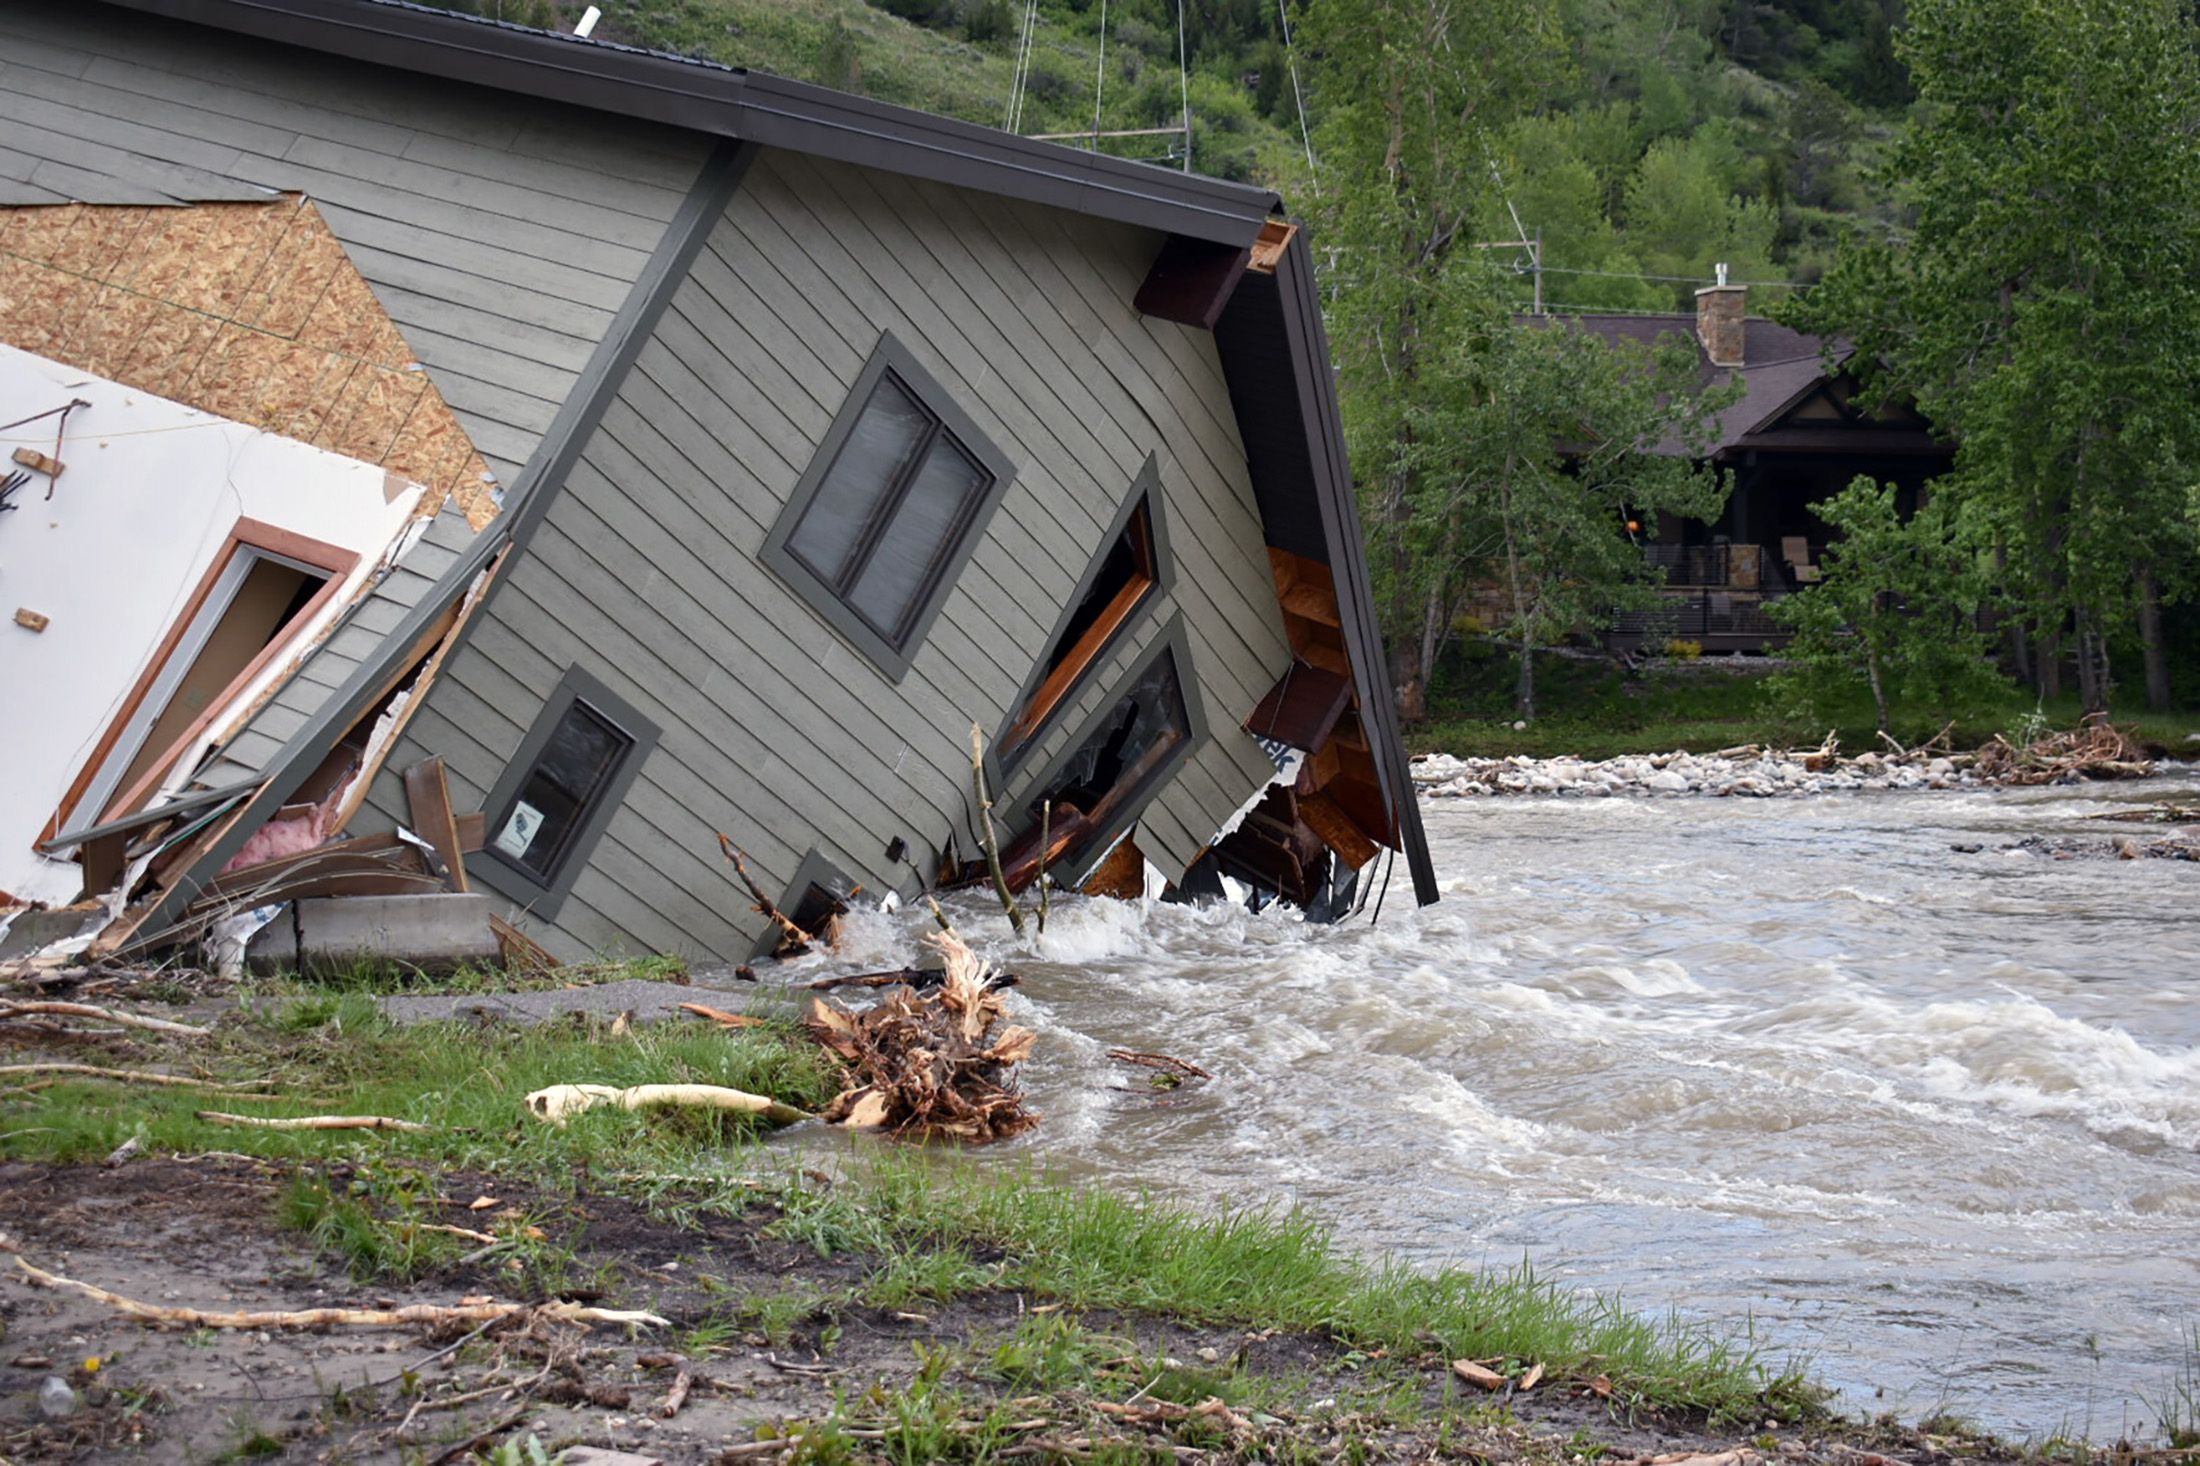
pixel 558 792
pixel 889 509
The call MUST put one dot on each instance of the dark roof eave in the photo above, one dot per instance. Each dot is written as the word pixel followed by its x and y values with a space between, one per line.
pixel 722 101
pixel 1338 505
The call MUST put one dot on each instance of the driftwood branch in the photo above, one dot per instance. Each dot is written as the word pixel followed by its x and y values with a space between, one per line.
pixel 104 1015
pixel 561 1101
pixel 721 1017
pixel 986 835
pixel 131 1076
pixel 314 1122
pixel 304 1318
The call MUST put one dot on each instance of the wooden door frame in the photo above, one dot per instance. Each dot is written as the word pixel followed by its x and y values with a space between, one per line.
pixel 246 535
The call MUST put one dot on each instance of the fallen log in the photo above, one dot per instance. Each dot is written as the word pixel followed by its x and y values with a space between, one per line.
pixel 560 1102
pixel 306 1318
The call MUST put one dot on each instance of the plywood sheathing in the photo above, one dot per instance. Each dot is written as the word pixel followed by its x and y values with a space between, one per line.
pixel 249 311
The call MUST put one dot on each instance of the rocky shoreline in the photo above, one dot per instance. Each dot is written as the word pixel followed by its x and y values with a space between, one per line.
pixel 1747 772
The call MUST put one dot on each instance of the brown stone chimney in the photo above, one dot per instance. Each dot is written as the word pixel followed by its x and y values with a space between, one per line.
pixel 1720 322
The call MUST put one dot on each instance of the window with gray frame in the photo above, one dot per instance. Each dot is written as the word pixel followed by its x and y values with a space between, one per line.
pixel 889 510
pixel 554 798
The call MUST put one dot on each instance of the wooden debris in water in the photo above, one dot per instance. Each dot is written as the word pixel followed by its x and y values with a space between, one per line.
pixel 930 1064
pixel 1169 1074
pixel 2097 749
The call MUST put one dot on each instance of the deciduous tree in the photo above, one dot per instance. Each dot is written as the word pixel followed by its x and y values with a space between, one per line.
pixel 2045 309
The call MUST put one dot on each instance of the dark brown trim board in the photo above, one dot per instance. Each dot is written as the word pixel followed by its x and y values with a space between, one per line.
pixel 1012 743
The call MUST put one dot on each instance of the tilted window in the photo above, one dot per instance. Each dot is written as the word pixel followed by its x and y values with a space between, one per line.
pixel 569 774
pixel 1124 753
pixel 1125 577
pixel 889 510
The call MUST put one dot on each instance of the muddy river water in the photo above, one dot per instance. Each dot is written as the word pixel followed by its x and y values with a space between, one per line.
pixel 1930 1118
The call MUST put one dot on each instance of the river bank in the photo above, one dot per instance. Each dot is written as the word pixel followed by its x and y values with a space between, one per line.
pixel 1748 772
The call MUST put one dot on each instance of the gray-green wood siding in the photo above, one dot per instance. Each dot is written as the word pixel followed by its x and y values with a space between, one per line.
pixel 499 232
pixel 775 731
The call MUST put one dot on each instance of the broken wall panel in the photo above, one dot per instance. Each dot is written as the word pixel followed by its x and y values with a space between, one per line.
pixel 248 311
pixel 489 192
pixel 156 501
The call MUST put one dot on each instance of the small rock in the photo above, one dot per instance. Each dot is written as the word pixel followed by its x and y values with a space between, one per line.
pixel 1966 847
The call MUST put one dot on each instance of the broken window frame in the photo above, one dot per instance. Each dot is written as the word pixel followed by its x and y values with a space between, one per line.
pixel 1123 805
pixel 1054 686
pixel 830 594
pixel 816 872
pixel 544 891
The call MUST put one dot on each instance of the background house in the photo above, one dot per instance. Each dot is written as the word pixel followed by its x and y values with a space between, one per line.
pixel 1797 435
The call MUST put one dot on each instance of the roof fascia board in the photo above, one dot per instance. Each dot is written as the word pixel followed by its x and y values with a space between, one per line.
pixel 1340 516
pixel 532 494
pixel 706 97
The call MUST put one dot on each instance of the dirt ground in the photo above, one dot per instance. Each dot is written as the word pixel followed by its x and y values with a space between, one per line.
pixel 202 1232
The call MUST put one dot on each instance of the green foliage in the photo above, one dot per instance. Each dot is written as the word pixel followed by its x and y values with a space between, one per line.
pixel 2045 310
pixel 1533 444
pixel 1897 611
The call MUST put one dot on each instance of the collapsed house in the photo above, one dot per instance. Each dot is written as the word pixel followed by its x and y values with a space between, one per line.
pixel 822 431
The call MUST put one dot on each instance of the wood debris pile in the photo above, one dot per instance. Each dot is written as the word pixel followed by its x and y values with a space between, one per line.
pixel 2096 749
pixel 937 1063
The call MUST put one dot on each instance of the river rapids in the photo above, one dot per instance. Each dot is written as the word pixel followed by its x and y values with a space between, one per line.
pixel 1928 1119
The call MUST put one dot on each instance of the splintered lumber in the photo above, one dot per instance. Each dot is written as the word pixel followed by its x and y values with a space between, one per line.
pixel 104 1015
pixel 930 1064
pixel 721 1017
pixel 314 1122
pixel 561 1101
pixel 306 1318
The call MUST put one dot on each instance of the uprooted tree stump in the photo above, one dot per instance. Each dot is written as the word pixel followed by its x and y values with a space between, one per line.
pixel 938 1063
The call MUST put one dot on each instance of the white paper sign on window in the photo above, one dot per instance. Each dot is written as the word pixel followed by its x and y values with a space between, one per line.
pixel 519 831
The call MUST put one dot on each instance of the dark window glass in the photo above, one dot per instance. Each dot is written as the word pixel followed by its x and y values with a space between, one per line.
pixel 1120 761
pixel 553 800
pixel 889 512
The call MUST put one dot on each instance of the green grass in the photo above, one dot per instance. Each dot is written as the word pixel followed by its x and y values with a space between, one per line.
pixel 927 1229
pixel 336 1054
pixel 1268 1268
pixel 1595 709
